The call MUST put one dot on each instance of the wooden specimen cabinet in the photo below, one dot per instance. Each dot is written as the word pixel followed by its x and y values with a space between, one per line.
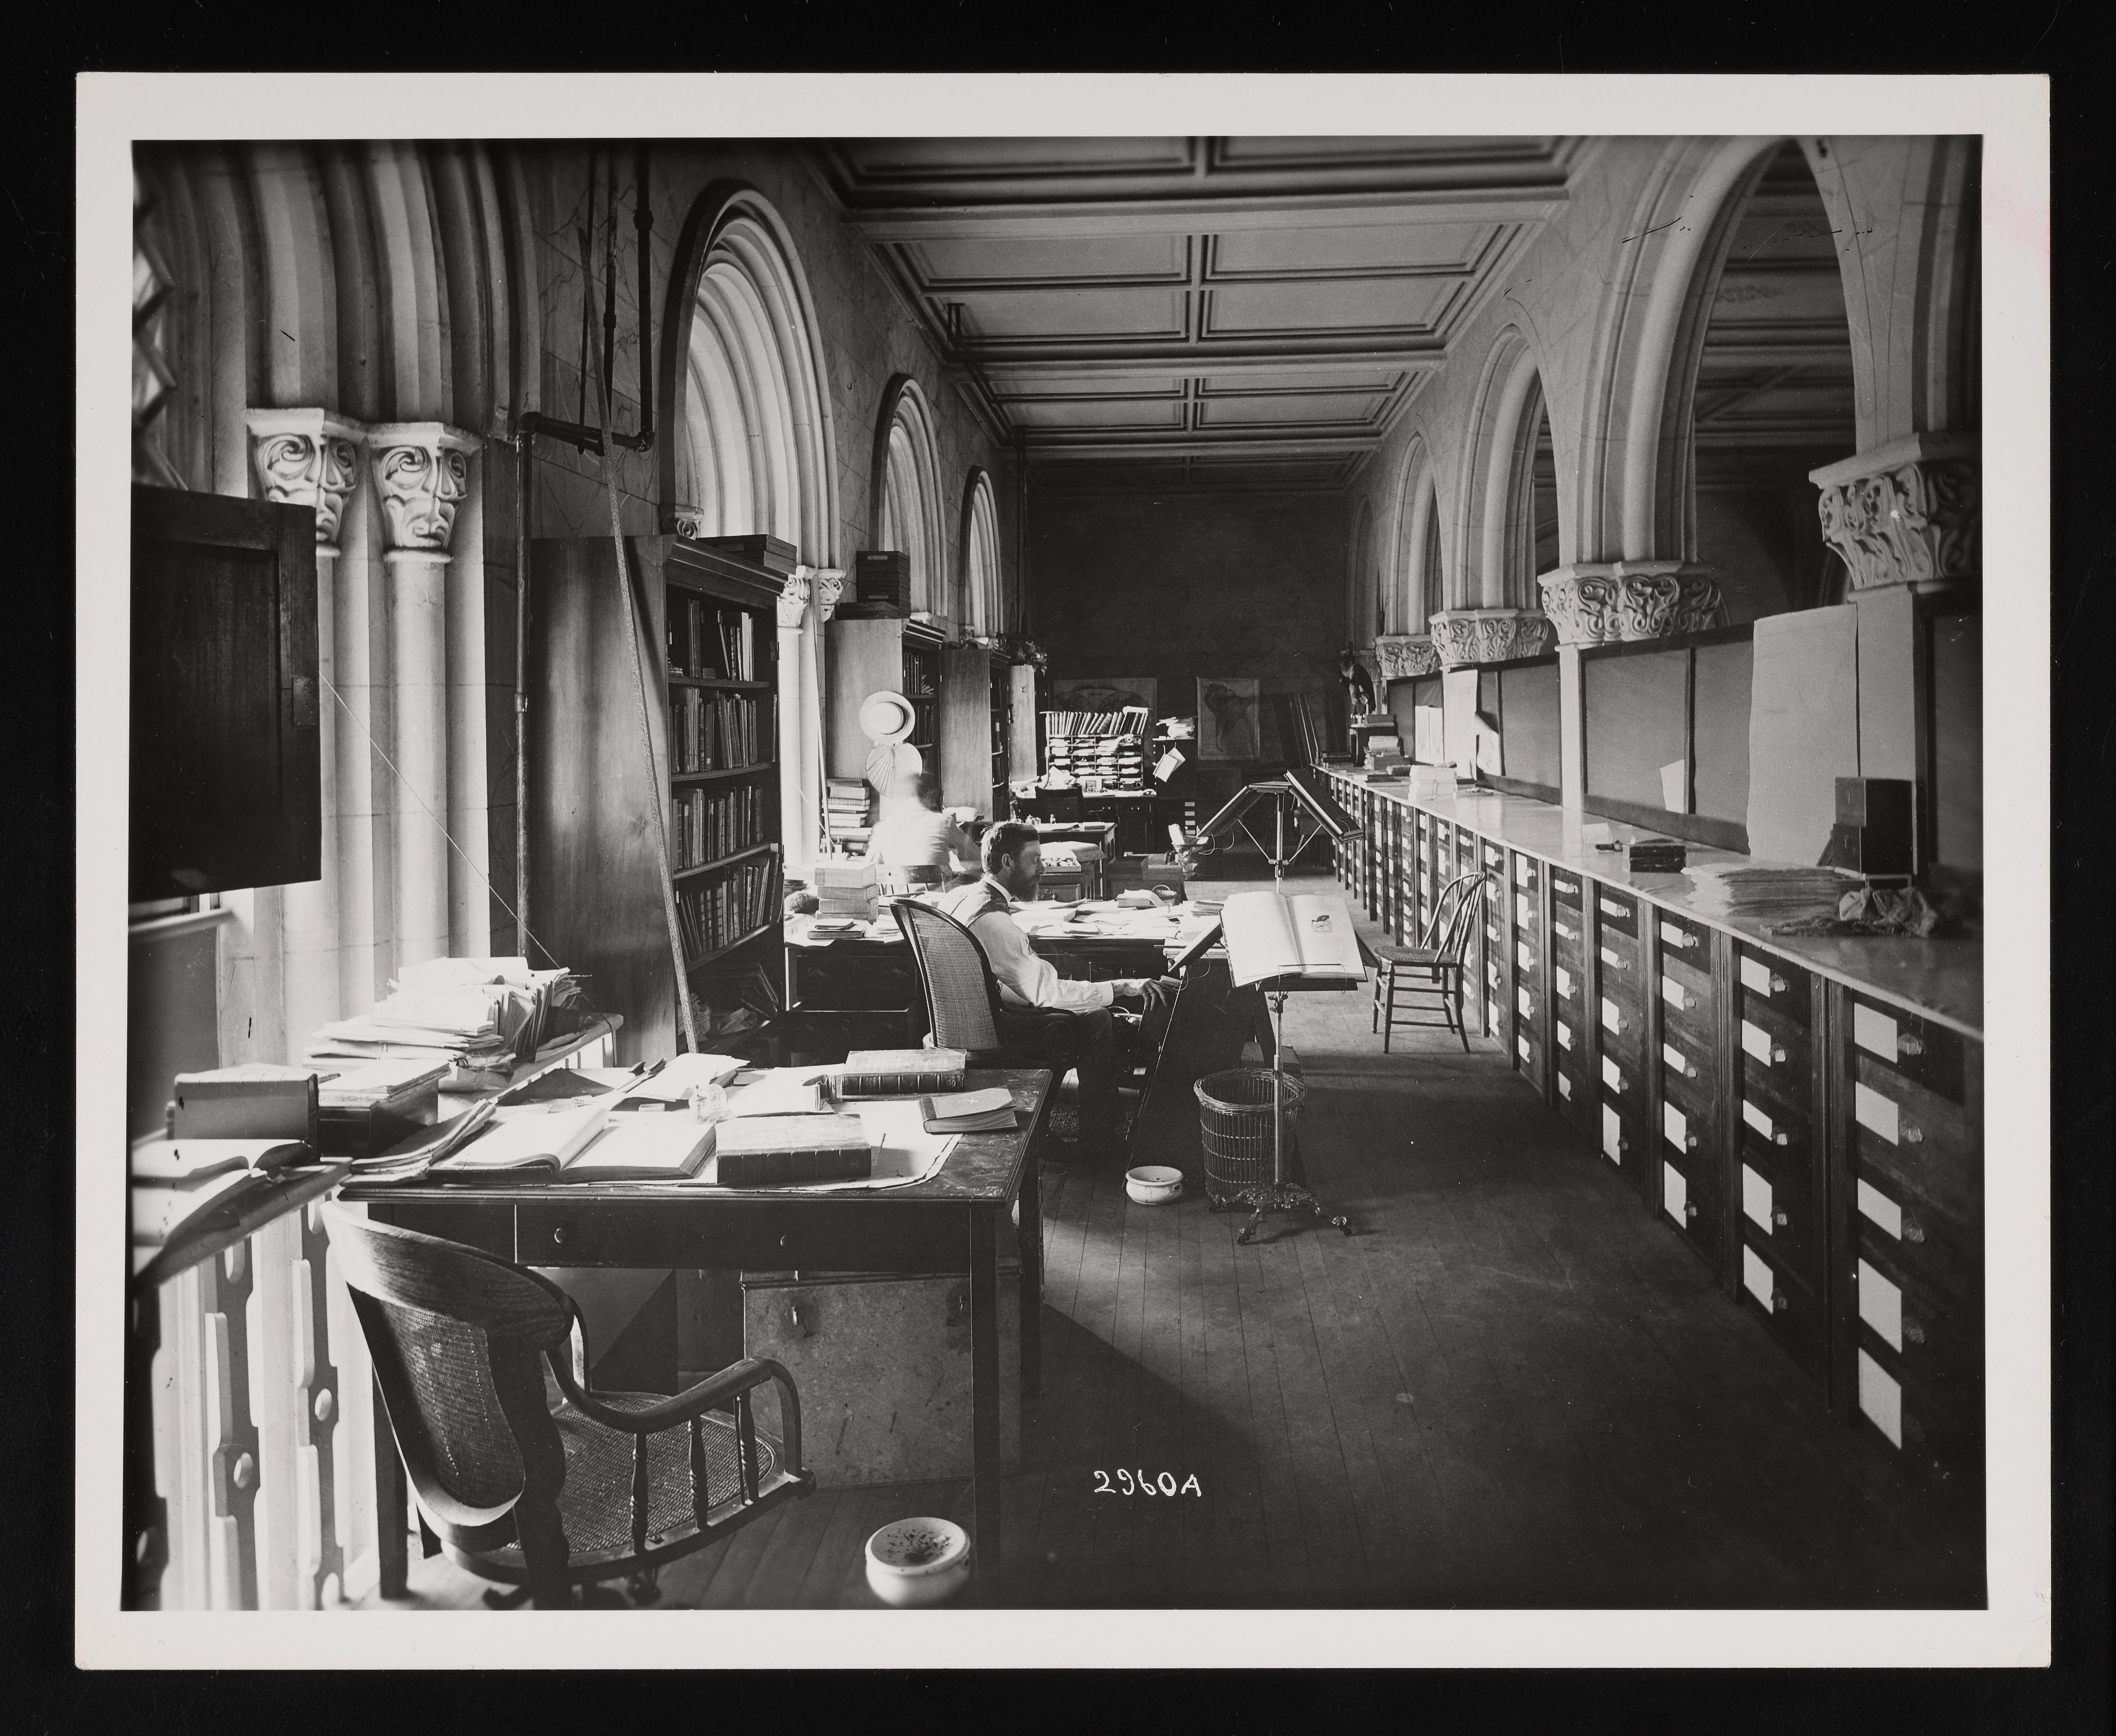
pixel 1807 1114
pixel 707 621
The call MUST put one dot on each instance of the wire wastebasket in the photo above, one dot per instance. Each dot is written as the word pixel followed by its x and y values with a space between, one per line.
pixel 1234 1125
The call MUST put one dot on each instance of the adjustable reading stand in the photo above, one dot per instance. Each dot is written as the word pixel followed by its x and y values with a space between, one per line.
pixel 1299 790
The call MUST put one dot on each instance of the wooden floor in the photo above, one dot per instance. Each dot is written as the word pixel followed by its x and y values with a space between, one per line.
pixel 1511 1387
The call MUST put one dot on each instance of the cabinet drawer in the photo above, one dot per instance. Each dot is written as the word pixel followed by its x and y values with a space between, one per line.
pixel 1567 888
pixel 1618 952
pixel 1617 911
pixel 1936 1436
pixel 1686 940
pixel 1691 1209
pixel 1527 918
pixel 1623 1082
pixel 1775 1133
pixel 1577 1103
pixel 1567 936
pixel 1619 1138
pixel 1565 984
pixel 1782 1215
pixel 1890 1111
pixel 1774 1071
pixel 1528 961
pixel 1686 1058
pixel 1695 981
pixel 1620 1026
pixel 1695 1094
pixel 1528 873
pixel 1495 858
pixel 1775 980
pixel 1791 1311
pixel 1928 1326
pixel 1901 1232
pixel 1528 1049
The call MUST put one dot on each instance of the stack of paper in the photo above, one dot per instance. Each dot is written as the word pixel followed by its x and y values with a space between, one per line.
pixel 476 1016
pixel 1764 894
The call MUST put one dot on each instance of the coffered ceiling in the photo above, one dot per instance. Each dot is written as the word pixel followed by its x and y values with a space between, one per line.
pixel 1205 313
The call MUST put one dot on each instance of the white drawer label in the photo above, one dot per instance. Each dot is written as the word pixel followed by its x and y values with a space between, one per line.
pixel 1611 1019
pixel 1881 1399
pixel 1755 1198
pixel 1521 871
pixel 1869 1108
pixel 1611 908
pixel 1564 1086
pixel 1612 1135
pixel 1521 1047
pixel 1881 1306
pixel 1757 1041
pixel 1677 1061
pixel 1675 1125
pixel 1521 911
pixel 1674 1193
pixel 1757 1275
pixel 1524 955
pixel 1880 1210
pixel 1564 885
pixel 1521 1000
pixel 1558 923
pixel 1564 1035
pixel 1874 1032
pixel 1563 979
pixel 1755 976
pixel 1757 1118
pixel 1611 957
pixel 1673 993
pixel 1491 1015
pixel 1611 1075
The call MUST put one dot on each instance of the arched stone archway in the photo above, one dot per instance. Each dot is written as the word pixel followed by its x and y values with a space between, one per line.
pixel 904 490
pixel 981 589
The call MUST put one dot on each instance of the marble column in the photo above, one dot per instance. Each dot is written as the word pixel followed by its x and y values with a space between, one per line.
pixel 310 457
pixel 421 478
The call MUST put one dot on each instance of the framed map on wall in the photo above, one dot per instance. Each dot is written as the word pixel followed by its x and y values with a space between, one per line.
pixel 1103 693
pixel 1228 727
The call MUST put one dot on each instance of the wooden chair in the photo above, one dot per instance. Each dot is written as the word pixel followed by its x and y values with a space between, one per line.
pixel 1431 968
pixel 548 1487
pixel 962 998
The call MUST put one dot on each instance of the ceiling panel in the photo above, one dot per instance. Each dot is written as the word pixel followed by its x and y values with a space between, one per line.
pixel 1101 413
pixel 950 264
pixel 1343 307
pixel 913 159
pixel 1054 315
pixel 1307 379
pixel 1289 409
pixel 1345 149
pixel 1379 249
pixel 1115 384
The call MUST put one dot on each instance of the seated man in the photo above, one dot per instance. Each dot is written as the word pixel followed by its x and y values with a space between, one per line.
pixel 1014 864
pixel 916 834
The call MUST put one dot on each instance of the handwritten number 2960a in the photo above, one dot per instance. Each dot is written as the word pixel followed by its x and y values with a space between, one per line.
pixel 1130 1482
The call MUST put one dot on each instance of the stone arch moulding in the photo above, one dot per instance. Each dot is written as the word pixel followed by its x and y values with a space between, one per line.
pixel 903 488
pixel 736 268
pixel 1408 651
pixel 980 587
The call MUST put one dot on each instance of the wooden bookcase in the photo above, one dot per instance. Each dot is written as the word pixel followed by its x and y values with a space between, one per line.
pixel 976 729
pixel 882 654
pixel 708 623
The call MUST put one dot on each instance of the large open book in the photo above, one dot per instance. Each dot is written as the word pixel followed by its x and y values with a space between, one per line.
pixel 1270 936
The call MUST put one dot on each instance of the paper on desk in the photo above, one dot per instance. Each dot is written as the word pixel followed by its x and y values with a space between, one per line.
pixel 903 1151
pixel 1672 780
pixel 781 1091
pixel 673 1083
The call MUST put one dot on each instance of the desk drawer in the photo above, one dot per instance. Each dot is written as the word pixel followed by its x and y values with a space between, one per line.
pixel 1688 1200
pixel 1528 874
pixel 1789 1311
pixel 1774 980
pixel 1568 938
pixel 1777 1070
pixel 1902 1231
pixel 833 979
pixel 1616 911
pixel 817 1235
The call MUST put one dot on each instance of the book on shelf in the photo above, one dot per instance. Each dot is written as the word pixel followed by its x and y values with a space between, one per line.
pixel 781 1150
pixel 901 1072
pixel 970 1112
pixel 1270 935
pixel 707 641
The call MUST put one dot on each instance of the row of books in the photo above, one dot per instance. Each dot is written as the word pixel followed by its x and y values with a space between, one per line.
pixel 708 642
pixel 844 810
pixel 722 911
pixel 1130 721
pixel 706 824
pixel 720 732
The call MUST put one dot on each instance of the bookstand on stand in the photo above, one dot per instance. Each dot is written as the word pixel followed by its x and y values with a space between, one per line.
pixel 1279 1194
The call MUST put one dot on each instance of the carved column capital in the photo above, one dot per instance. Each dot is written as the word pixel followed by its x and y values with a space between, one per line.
pixel 1908 513
pixel 422 475
pixel 793 594
pixel 307 457
pixel 1403 655
pixel 826 585
pixel 1465 637
pixel 1602 602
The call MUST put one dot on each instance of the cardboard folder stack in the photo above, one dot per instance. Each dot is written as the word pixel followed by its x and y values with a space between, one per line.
pixel 1765 894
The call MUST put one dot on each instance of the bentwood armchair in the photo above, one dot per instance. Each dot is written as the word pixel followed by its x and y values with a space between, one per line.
pixel 546 1487
pixel 1432 969
pixel 963 1003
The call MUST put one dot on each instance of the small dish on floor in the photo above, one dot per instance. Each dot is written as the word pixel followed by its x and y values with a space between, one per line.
pixel 1154 1184
pixel 917 1562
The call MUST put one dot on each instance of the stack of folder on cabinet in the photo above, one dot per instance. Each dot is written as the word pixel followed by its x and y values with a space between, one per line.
pixel 1765 895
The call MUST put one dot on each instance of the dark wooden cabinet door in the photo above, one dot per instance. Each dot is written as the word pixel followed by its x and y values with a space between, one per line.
pixel 225 761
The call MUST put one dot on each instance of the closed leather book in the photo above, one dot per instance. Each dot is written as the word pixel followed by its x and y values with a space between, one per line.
pixel 784 1151
pixel 902 1072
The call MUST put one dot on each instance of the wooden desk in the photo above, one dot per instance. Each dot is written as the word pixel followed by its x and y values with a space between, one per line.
pixel 949 1224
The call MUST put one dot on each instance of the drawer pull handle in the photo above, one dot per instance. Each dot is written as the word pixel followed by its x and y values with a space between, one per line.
pixel 1913 1231
pixel 1908 1045
pixel 1777 984
pixel 1913 1332
pixel 1690 1069
pixel 1689 1210
pixel 1778 1302
pixel 1690 1141
pixel 1780 1139
pixel 1912 1134
pixel 1777 1053
pixel 1779 1219
pixel 558 1234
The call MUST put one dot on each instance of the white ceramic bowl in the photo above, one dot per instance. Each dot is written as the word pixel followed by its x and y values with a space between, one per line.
pixel 916 1561
pixel 1154 1184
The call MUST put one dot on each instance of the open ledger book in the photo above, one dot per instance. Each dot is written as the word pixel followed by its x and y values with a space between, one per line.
pixel 1269 935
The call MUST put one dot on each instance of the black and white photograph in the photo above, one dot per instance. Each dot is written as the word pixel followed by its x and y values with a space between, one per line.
pixel 687 1048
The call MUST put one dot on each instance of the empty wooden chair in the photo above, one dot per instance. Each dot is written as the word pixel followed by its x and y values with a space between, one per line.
pixel 1433 968
pixel 541 1495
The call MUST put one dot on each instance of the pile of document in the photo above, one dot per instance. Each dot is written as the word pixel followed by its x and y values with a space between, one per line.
pixel 477 1017
pixel 1764 894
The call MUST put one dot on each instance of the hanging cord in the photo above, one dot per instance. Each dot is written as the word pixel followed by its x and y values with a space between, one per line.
pixel 647 744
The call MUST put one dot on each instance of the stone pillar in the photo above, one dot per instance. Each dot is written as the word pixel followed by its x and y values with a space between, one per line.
pixel 799 818
pixel 1464 636
pixel 310 457
pixel 1609 602
pixel 421 477
pixel 1906 518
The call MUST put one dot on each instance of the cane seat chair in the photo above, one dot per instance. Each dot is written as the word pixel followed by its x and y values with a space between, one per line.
pixel 962 998
pixel 1431 971
pixel 528 1477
